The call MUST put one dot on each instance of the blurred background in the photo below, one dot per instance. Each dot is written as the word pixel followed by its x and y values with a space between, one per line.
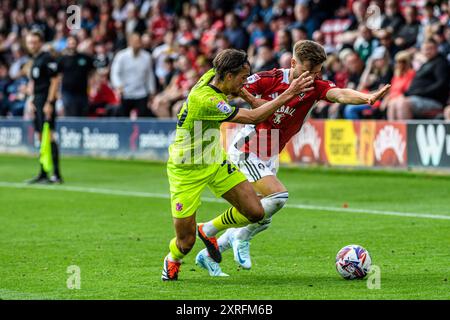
pixel 362 38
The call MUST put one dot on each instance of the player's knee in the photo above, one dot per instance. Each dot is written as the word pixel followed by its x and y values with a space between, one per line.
pixel 256 213
pixel 186 243
pixel 274 202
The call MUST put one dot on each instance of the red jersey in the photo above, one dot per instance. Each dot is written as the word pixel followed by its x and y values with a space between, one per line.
pixel 288 119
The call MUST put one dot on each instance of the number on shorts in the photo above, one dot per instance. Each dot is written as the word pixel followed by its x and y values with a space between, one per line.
pixel 231 168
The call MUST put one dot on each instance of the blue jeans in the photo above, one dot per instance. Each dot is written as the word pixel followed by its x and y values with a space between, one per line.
pixel 353 112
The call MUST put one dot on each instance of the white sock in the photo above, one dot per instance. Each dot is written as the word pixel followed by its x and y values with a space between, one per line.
pixel 223 240
pixel 271 204
pixel 209 229
pixel 249 231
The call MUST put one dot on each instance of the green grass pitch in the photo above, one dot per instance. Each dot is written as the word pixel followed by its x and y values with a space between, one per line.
pixel 112 220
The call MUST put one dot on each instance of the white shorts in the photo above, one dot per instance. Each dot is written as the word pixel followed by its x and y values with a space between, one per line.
pixel 253 167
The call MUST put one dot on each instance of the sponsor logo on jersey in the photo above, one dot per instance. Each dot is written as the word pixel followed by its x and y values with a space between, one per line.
pixel 281 113
pixel 253 78
pixel 224 107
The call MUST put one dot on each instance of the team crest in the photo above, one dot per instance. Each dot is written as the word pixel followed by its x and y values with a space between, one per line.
pixel 278 117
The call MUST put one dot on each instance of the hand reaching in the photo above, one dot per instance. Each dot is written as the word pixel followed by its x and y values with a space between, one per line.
pixel 302 84
pixel 379 94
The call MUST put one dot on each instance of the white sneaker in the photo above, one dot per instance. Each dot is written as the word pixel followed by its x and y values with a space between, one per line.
pixel 241 251
pixel 204 261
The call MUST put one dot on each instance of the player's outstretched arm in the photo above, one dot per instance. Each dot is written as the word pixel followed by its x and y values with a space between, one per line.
pixel 254 116
pixel 253 101
pixel 350 96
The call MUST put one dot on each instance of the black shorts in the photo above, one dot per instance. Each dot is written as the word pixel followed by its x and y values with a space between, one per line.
pixel 39 116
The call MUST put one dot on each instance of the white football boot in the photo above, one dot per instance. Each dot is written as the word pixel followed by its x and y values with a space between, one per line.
pixel 241 251
pixel 203 260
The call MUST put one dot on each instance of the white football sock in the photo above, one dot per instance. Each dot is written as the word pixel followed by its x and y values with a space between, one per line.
pixel 223 241
pixel 209 229
pixel 271 204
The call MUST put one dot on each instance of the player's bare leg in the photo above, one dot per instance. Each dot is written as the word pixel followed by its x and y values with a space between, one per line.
pixel 246 209
pixel 238 238
pixel 185 229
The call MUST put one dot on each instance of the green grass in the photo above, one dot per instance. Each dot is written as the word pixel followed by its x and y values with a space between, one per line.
pixel 119 241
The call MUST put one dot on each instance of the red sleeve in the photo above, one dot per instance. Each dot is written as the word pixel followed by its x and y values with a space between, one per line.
pixel 253 84
pixel 322 86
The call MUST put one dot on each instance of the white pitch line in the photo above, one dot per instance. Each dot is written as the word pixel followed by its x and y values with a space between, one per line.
pixel 6 294
pixel 208 199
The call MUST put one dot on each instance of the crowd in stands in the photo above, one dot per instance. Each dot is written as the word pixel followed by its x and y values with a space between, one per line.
pixel 140 58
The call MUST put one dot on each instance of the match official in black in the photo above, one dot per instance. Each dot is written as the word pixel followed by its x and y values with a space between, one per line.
pixel 45 83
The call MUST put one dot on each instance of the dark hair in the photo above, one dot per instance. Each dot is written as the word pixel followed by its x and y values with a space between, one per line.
pixel 37 33
pixel 430 40
pixel 230 61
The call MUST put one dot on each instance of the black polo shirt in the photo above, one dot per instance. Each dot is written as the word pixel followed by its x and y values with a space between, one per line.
pixel 44 68
pixel 75 70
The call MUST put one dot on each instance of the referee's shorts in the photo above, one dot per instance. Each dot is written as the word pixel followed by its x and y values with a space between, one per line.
pixel 39 116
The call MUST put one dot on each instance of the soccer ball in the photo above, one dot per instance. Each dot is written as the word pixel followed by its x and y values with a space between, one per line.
pixel 353 262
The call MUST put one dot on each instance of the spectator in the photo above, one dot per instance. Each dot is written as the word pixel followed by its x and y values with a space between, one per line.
pixel 407 34
pixel 17 96
pixel 377 74
pixel 159 23
pixel 259 33
pixel 87 19
pixel 133 23
pixel 101 57
pixel 386 40
pixel 132 75
pixel 4 82
pixel 319 37
pixel 392 19
pixel 264 60
pixel 282 43
pixel 235 34
pixel 75 68
pixel 161 53
pixel 285 60
pixel 428 92
pixel 266 10
pixel 103 101
pixel 176 90
pixel 303 19
pixel 355 67
pixel 298 34
pixel 60 41
pixel 19 60
pixel 427 21
pixel 184 34
pixel 403 76
pixel 365 43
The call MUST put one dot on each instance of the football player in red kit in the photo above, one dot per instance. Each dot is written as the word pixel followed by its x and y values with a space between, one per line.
pixel 255 148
